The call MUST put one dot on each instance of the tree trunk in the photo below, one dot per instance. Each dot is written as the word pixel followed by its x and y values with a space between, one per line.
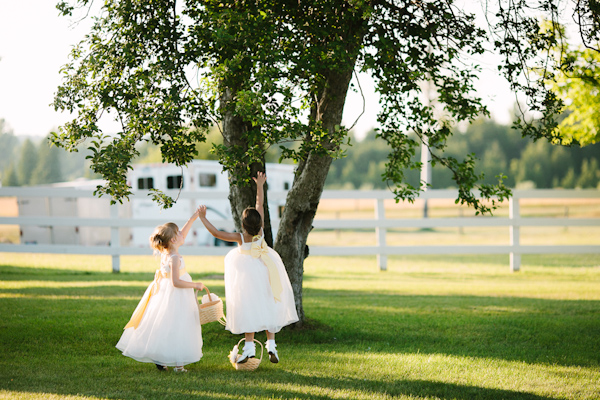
pixel 242 196
pixel 304 196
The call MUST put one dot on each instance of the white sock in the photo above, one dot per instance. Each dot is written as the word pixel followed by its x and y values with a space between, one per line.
pixel 249 345
pixel 271 344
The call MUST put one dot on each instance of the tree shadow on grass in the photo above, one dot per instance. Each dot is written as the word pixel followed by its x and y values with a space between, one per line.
pixel 53 336
pixel 210 383
pixel 64 342
pixel 376 388
pixel 563 332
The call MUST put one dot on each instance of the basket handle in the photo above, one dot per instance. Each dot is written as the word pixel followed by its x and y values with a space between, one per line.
pixel 207 292
pixel 261 346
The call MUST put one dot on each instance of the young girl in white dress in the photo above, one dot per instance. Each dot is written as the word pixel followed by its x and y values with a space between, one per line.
pixel 258 293
pixel 165 327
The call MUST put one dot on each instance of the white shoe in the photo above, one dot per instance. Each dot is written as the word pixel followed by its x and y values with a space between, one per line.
pixel 273 357
pixel 249 352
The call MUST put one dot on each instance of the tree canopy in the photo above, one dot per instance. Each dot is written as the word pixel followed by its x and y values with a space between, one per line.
pixel 550 51
pixel 274 72
pixel 578 87
pixel 164 69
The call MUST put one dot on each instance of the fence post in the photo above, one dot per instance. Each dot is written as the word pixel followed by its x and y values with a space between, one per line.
pixel 514 215
pixel 115 240
pixel 380 233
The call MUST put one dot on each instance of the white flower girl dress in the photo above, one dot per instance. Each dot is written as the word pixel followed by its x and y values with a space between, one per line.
pixel 258 293
pixel 165 327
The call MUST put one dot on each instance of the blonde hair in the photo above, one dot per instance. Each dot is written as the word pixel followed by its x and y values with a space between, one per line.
pixel 160 240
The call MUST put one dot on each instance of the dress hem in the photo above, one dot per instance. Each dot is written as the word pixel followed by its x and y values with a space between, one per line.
pixel 165 363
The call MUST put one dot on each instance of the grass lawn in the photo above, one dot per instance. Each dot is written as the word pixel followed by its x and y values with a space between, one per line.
pixel 447 327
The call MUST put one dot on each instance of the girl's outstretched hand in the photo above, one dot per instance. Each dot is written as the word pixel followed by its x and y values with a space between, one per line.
pixel 201 211
pixel 260 179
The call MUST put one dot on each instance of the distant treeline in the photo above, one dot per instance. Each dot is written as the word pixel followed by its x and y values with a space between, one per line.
pixel 500 150
pixel 32 161
pixel 27 161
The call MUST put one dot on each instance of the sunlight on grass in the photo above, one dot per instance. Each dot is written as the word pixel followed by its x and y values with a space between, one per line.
pixel 492 374
pixel 446 208
pixel 466 236
pixel 431 327
pixel 64 297
pixel 46 396
pixel 84 263
pixel 66 285
pixel 457 275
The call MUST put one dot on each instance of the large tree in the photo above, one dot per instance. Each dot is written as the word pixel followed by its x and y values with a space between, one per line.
pixel 577 86
pixel 550 56
pixel 275 73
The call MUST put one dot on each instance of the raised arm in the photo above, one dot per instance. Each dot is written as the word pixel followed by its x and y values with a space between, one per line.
pixel 188 225
pixel 260 180
pixel 226 236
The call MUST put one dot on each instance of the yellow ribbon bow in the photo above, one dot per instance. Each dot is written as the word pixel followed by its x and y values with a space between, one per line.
pixel 260 249
pixel 136 318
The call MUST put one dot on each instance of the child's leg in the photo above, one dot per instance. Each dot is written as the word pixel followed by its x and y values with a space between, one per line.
pixel 249 348
pixel 179 368
pixel 161 367
pixel 272 347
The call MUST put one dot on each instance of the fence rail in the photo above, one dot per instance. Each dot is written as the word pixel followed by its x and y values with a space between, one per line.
pixel 379 223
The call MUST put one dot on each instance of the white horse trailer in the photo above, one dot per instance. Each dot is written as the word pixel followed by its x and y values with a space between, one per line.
pixel 69 207
pixel 199 176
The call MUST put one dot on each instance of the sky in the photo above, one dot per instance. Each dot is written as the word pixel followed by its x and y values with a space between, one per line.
pixel 35 43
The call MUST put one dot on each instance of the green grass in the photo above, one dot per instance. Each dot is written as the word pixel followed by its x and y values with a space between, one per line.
pixel 443 327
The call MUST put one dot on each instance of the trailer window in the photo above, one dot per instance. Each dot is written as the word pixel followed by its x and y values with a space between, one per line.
pixel 145 183
pixel 174 182
pixel 286 186
pixel 207 180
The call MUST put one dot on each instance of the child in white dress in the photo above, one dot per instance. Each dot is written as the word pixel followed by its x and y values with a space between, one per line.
pixel 165 327
pixel 258 292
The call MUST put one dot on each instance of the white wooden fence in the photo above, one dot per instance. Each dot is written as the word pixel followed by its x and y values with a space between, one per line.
pixel 379 223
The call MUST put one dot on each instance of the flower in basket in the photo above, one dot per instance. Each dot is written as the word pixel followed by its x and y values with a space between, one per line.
pixel 234 354
pixel 213 297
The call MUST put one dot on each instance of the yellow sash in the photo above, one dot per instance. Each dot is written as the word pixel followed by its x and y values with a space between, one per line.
pixel 136 318
pixel 260 249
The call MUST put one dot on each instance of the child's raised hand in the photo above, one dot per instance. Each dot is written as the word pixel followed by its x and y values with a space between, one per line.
pixel 260 179
pixel 201 211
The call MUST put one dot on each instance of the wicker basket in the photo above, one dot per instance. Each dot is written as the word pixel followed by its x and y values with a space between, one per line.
pixel 211 311
pixel 252 363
